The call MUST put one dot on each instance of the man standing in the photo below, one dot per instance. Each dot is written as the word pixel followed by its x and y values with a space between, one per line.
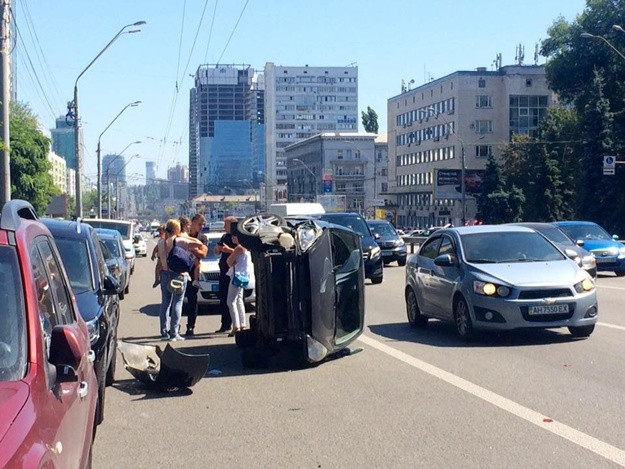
pixel 225 247
pixel 190 307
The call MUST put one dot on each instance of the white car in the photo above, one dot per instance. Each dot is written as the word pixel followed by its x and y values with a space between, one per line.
pixel 140 246
pixel 209 276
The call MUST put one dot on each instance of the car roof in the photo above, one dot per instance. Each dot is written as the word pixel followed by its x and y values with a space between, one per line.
pixel 573 222
pixel 378 222
pixel 106 232
pixel 68 228
pixel 534 225
pixel 337 214
pixel 461 230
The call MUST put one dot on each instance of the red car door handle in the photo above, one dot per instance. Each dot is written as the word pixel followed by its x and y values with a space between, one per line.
pixel 83 389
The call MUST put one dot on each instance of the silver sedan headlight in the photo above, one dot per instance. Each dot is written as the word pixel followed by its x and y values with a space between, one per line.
pixel 585 285
pixel 490 289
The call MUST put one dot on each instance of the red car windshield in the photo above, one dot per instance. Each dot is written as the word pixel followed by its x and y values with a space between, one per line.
pixel 12 318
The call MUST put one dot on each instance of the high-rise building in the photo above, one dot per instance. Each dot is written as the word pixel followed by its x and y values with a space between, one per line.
pixel 58 171
pixel 301 102
pixel 222 110
pixel 150 171
pixel 458 120
pixel 178 174
pixel 114 167
pixel 63 142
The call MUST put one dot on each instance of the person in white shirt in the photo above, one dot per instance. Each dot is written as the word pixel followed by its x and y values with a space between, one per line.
pixel 239 263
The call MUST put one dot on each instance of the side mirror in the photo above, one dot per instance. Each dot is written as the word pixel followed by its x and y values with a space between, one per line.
pixel 111 285
pixel 444 260
pixel 65 353
pixel 376 235
pixel 579 242
pixel 615 237
pixel 570 254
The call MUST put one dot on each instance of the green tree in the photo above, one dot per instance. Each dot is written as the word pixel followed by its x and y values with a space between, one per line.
pixel 498 203
pixel 370 121
pixel 30 169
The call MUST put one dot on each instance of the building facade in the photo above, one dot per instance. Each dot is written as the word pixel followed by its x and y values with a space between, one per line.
pixel 114 167
pixel 58 171
pixel 150 171
pixel 63 142
pixel 463 117
pixel 301 102
pixel 178 174
pixel 334 164
pixel 223 110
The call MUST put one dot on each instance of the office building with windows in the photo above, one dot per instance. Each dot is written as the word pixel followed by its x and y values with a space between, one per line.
pixel 301 102
pixel 464 116
pixel 114 167
pixel 150 171
pixel 63 141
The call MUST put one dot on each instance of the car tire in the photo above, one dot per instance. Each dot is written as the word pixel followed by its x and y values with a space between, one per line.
pixel 127 289
pixel 121 295
pixel 582 331
pixel 377 280
pixel 110 373
pixel 248 229
pixel 620 273
pixel 462 320
pixel 401 262
pixel 415 318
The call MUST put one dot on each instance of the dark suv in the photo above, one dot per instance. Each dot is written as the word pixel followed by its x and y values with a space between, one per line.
pixel 309 288
pixel 393 247
pixel 371 252
pixel 48 388
pixel 96 293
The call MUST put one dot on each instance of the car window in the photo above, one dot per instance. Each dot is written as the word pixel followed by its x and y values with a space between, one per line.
pixel 347 257
pixel 99 255
pixel 113 246
pixel 576 232
pixel 508 247
pixel 383 229
pixel 447 247
pixel 555 235
pixel 13 341
pixel 61 297
pixel 430 248
pixel 345 253
pixel 76 259
pixel 355 223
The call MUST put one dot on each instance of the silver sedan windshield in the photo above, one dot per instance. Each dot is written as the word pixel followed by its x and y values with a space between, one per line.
pixel 498 247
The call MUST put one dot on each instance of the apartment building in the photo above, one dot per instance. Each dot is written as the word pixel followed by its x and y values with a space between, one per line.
pixel 302 101
pixel 58 171
pixel 462 117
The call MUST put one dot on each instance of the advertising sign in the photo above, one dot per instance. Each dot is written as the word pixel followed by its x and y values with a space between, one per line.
pixel 447 183
pixel 332 203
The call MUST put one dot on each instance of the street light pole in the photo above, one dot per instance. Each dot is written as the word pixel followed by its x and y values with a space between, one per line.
pixel 311 172
pixel 593 36
pixel 74 105
pixel 116 175
pixel 136 103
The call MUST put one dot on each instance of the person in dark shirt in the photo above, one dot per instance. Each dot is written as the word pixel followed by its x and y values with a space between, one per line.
pixel 190 307
pixel 225 247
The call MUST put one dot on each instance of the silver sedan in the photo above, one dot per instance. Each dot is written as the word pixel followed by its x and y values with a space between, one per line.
pixel 498 278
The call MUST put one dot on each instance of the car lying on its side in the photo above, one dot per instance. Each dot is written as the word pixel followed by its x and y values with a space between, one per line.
pixel 48 387
pixel 498 278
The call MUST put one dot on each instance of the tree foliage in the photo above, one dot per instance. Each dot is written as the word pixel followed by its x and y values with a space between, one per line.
pixel 370 121
pixel 498 202
pixel 30 169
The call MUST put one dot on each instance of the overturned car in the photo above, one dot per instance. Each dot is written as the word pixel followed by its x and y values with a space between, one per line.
pixel 309 288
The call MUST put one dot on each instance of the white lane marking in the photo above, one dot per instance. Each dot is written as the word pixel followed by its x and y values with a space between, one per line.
pixel 593 444
pixel 611 288
pixel 612 326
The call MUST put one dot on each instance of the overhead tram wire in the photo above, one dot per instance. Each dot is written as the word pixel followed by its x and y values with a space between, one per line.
pixel 210 32
pixel 233 30
pixel 184 9
pixel 32 73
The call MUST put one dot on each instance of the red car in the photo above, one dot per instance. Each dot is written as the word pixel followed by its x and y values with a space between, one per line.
pixel 48 387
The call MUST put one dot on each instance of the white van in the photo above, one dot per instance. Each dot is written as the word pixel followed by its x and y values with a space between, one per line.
pixel 295 209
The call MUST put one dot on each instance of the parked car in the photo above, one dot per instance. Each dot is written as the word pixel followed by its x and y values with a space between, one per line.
pixel 96 294
pixel 371 252
pixel 585 259
pixel 139 245
pixel 117 264
pixel 309 288
pixel 609 252
pixel 208 293
pixel 498 277
pixel 48 387
pixel 393 247
pixel 126 229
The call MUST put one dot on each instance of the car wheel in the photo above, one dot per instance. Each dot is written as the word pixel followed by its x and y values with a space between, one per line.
pixel 249 229
pixel 110 373
pixel 464 326
pixel 121 295
pixel 377 280
pixel 401 262
pixel 415 318
pixel 582 331
pixel 127 289
pixel 620 273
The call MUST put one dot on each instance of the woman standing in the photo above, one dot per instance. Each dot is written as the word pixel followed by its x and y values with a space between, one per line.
pixel 171 302
pixel 239 262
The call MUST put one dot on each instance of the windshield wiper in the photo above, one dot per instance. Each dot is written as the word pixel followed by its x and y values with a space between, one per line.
pixel 482 261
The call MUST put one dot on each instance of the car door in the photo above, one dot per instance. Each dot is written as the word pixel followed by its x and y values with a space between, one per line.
pixel 110 303
pixel 423 275
pixel 322 290
pixel 67 408
pixel 444 279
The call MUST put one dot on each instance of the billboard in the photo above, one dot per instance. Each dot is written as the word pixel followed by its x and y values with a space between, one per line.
pixel 332 203
pixel 447 183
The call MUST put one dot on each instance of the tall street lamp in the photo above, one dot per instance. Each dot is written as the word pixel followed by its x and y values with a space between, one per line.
pixel 74 105
pixel 593 36
pixel 311 172
pixel 463 168
pixel 136 103
pixel 117 191
pixel 108 177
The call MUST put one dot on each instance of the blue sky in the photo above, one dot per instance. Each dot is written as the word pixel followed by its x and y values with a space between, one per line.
pixel 389 41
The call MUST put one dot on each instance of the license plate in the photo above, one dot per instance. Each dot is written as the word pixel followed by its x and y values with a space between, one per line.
pixel 550 309
pixel 214 287
pixel 603 260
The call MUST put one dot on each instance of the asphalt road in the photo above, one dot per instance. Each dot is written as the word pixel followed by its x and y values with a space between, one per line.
pixel 410 398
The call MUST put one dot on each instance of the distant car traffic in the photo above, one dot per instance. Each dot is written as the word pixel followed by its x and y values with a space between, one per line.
pixel 586 260
pixel 393 247
pixel 96 293
pixel 48 386
pixel 609 252
pixel 139 245
pixel 125 228
pixel 208 293
pixel 498 278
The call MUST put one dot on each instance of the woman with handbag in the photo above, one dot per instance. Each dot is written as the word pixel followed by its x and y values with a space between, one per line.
pixel 239 273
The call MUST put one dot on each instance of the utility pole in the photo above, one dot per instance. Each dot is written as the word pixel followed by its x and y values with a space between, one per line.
pixel 5 98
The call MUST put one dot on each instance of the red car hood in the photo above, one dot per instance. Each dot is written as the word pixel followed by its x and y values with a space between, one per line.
pixel 13 396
